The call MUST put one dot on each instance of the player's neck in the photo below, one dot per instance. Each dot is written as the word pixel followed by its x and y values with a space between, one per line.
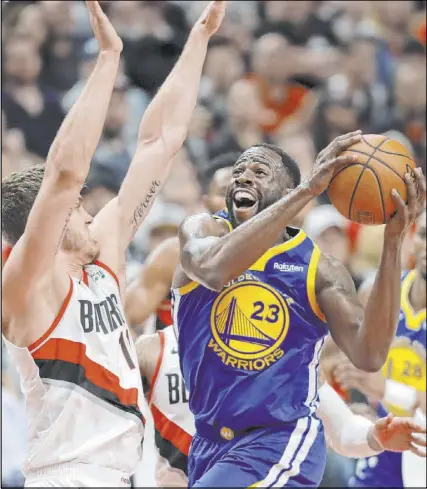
pixel 417 293
pixel 72 263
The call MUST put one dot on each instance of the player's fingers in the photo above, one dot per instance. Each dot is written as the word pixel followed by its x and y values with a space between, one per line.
pixel 417 451
pixel 381 423
pixel 90 4
pixel 420 185
pixel 389 418
pixel 416 428
pixel 411 191
pixel 397 199
pixel 339 144
pixel 347 140
pixel 421 442
pixel 342 161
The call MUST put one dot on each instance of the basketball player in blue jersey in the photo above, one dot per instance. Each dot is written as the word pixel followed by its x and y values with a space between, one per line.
pixel 400 387
pixel 253 299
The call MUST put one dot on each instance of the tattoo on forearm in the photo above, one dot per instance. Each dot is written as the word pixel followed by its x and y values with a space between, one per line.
pixel 67 219
pixel 138 213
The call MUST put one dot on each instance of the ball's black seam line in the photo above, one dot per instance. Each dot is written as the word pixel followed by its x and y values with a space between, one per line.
pixel 379 161
pixel 360 176
pixel 387 152
pixel 381 192
pixel 342 169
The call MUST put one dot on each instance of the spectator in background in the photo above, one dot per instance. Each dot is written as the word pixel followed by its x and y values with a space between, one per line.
pixel 60 51
pixel 286 106
pixel 368 94
pixel 335 114
pixel 154 34
pixel 298 19
pixel 112 151
pixel 242 128
pixel 137 100
pixel 392 22
pixel 409 111
pixel 102 185
pixel 224 65
pixel 28 106
pixel 182 187
pixel 32 25
pixel 14 155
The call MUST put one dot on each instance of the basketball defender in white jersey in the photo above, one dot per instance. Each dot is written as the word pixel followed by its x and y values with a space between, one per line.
pixel 62 317
pixel 168 403
pixel 349 434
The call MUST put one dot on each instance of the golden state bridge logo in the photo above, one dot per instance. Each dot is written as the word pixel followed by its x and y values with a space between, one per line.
pixel 249 321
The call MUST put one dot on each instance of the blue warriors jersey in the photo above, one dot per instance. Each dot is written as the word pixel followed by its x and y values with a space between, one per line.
pixel 250 353
pixel 405 364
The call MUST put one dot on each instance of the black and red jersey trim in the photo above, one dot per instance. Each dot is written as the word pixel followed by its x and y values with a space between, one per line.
pixel 171 453
pixel 66 360
pixel 75 374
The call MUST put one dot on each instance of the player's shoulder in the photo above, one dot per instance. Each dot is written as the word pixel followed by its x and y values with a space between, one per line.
pixel 331 272
pixel 202 225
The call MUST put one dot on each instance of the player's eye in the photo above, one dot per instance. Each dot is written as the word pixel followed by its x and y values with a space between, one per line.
pixel 260 172
pixel 237 172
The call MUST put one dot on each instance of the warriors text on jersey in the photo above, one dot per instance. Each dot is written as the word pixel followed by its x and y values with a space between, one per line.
pixel 82 384
pixel 406 365
pixel 173 421
pixel 250 354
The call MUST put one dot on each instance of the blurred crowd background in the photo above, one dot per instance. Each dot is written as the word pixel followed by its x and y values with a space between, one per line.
pixel 295 73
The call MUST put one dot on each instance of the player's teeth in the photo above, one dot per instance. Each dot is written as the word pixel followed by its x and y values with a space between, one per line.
pixel 244 195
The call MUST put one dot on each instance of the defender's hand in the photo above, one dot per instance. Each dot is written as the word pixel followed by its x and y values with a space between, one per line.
pixel 397 435
pixel 212 16
pixel 372 385
pixel 329 161
pixel 107 37
pixel 407 214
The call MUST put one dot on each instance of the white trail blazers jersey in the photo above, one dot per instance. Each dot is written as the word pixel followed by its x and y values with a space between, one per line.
pixel 173 421
pixel 82 384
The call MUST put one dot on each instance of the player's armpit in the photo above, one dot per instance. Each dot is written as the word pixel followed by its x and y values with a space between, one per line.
pixel 146 293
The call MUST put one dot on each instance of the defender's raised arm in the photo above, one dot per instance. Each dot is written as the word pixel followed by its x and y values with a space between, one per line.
pixel 65 171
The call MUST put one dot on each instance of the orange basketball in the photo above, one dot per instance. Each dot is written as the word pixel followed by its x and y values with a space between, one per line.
pixel 362 191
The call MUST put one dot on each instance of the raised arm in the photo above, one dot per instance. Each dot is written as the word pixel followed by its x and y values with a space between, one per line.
pixel 145 294
pixel 161 135
pixel 215 261
pixel 365 334
pixel 66 167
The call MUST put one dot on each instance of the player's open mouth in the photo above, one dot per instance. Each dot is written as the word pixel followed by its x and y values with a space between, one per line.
pixel 244 201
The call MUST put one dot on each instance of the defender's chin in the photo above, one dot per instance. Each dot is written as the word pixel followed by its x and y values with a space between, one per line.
pixel 243 214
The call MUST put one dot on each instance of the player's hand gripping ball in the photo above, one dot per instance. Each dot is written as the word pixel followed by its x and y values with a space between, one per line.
pixel 363 191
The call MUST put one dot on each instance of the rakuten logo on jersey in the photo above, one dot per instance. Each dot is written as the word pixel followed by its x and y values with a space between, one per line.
pixel 284 267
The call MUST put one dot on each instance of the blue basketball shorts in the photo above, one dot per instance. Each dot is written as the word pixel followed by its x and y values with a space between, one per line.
pixel 292 455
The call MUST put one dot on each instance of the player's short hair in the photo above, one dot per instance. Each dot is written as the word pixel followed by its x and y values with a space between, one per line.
pixel 226 160
pixel 289 163
pixel 18 193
